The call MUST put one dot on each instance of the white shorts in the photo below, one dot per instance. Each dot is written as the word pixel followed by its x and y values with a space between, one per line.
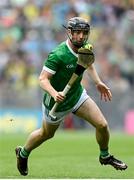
pixel 60 115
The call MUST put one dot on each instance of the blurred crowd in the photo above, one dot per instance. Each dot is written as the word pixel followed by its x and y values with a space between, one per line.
pixel 30 29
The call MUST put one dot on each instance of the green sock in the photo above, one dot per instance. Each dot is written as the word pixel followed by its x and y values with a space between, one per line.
pixel 104 153
pixel 24 153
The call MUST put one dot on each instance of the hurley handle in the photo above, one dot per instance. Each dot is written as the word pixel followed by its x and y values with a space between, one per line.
pixel 65 91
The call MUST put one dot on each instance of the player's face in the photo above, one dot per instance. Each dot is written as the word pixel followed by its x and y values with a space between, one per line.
pixel 79 37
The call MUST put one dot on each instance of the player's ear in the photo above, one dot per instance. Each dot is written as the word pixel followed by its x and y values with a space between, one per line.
pixel 69 30
pixel 70 33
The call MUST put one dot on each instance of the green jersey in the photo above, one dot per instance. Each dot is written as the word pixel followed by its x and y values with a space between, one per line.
pixel 61 62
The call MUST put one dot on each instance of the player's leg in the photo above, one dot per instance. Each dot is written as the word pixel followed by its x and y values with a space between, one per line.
pixel 36 138
pixel 90 112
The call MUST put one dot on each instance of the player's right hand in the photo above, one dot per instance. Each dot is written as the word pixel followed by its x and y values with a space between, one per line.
pixel 59 97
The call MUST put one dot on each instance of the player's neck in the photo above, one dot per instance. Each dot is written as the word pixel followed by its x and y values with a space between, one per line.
pixel 74 48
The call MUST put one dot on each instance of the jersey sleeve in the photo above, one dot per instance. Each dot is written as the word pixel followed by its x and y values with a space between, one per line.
pixel 51 63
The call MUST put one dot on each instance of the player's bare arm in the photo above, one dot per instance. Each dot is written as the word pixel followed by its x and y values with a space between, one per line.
pixel 44 80
pixel 102 88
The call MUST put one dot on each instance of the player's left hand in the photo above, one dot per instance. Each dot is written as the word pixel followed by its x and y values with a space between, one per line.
pixel 104 91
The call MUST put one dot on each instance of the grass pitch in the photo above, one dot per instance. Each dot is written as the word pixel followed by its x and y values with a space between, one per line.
pixel 70 154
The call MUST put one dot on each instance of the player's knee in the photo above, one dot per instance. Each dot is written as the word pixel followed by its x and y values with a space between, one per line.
pixel 103 126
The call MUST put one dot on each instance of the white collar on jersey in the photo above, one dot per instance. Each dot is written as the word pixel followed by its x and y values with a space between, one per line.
pixel 71 49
